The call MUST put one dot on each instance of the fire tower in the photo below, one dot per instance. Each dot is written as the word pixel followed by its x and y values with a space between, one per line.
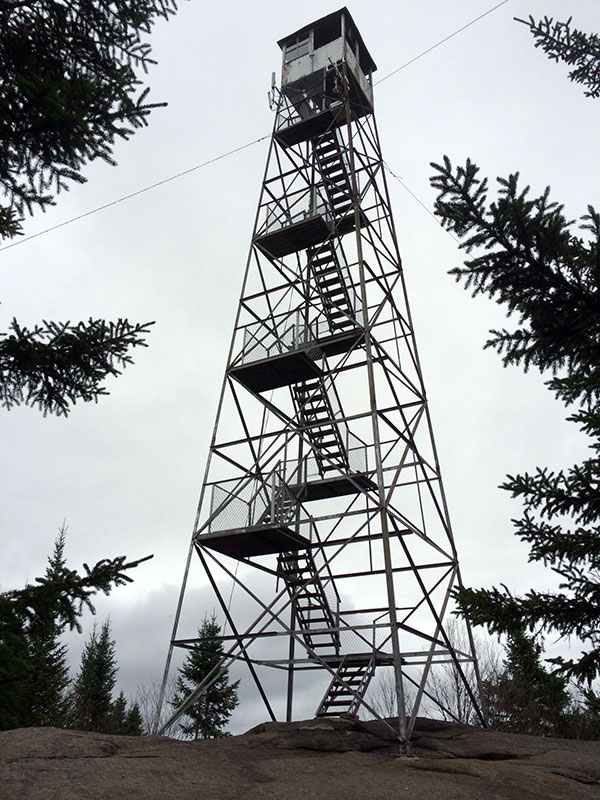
pixel 322 503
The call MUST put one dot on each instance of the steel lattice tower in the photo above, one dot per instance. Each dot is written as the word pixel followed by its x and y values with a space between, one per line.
pixel 322 499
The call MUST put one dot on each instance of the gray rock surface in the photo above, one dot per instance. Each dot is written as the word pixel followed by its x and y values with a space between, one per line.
pixel 340 758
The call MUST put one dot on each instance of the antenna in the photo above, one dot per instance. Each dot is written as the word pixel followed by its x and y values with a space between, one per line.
pixel 271 92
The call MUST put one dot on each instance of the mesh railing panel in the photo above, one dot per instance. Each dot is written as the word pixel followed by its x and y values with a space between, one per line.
pixel 235 505
pixel 307 470
pixel 298 206
pixel 290 333
pixel 289 114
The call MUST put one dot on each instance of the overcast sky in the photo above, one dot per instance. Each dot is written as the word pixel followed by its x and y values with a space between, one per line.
pixel 126 473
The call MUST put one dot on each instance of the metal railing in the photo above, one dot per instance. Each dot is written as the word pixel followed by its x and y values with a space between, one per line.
pixel 286 333
pixel 243 503
pixel 300 472
pixel 303 106
pixel 292 208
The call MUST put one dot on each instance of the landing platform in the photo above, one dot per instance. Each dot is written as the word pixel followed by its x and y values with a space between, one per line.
pixel 337 486
pixel 312 127
pixel 358 659
pixel 258 540
pixel 341 342
pixel 280 370
pixel 285 369
pixel 292 238
pixel 347 223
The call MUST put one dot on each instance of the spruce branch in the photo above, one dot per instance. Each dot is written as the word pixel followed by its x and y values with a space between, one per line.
pixel 63 597
pixel 53 365
pixel 574 47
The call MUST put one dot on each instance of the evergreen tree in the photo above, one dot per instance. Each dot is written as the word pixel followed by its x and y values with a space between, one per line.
pixel 209 713
pixel 49 671
pixel 123 720
pixel 54 600
pixel 527 256
pixel 117 716
pixel 92 706
pixel 133 722
pixel 93 687
pixel 14 669
pixel 525 697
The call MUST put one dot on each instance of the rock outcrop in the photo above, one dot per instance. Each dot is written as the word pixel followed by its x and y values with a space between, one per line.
pixel 321 759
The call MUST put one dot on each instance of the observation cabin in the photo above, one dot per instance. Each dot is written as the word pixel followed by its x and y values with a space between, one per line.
pixel 312 60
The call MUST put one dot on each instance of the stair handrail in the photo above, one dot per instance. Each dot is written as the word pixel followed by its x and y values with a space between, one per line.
pixel 294 207
pixel 331 580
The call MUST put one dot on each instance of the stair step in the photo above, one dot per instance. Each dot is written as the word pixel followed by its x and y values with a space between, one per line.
pixel 329 158
pixel 339 197
pixel 336 181
pixel 331 162
pixel 326 449
pixel 327 277
pixel 334 154
pixel 335 174
pixel 308 387
pixel 323 257
pixel 314 599
pixel 325 444
pixel 324 269
pixel 311 403
pixel 326 147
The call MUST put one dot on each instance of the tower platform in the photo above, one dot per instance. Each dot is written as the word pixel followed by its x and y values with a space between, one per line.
pixel 336 486
pixel 293 132
pixel 285 369
pixel 257 540
pixel 306 233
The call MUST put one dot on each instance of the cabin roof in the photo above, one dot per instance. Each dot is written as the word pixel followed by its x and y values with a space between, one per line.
pixel 330 20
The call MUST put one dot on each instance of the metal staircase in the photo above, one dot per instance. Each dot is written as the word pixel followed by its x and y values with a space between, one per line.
pixel 348 686
pixel 329 158
pixel 312 607
pixel 317 419
pixel 331 287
